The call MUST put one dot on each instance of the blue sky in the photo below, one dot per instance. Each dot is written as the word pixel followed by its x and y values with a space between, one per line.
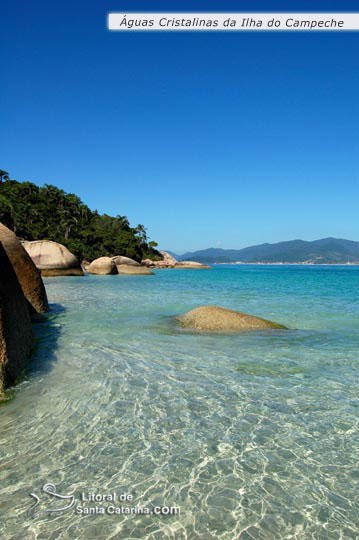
pixel 209 139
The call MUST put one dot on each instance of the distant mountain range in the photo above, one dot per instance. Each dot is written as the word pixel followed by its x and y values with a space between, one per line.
pixel 325 251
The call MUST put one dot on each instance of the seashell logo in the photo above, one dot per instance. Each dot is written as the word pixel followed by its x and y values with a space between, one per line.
pixel 50 489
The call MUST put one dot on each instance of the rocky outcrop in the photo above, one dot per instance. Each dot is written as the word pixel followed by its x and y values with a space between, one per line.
pixel 168 259
pixel 191 264
pixel 219 319
pixel 103 266
pixel 127 269
pixel 119 259
pixel 170 262
pixel 15 324
pixel 28 275
pixel 167 262
pixel 53 259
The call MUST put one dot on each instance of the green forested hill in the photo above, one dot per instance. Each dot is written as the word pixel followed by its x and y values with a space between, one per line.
pixel 48 213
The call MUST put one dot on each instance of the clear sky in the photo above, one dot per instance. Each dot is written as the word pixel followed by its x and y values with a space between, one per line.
pixel 209 139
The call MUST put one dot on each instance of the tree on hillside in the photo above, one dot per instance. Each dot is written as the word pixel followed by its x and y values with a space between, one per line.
pixel 6 211
pixel 124 221
pixel 4 175
pixel 140 231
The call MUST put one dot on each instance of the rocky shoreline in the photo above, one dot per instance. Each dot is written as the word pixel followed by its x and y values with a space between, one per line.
pixel 54 259
pixel 23 294
pixel 22 291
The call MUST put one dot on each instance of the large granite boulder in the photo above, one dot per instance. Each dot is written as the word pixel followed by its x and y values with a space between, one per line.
pixel 53 259
pixel 27 274
pixel 15 324
pixel 119 259
pixel 127 269
pixel 191 264
pixel 219 319
pixel 103 266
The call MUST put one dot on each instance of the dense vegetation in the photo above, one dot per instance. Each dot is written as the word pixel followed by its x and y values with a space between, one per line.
pixel 48 213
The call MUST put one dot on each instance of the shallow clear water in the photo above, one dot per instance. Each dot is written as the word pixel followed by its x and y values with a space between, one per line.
pixel 253 436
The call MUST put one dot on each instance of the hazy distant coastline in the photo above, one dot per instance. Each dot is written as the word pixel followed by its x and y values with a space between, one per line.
pixel 324 251
pixel 306 263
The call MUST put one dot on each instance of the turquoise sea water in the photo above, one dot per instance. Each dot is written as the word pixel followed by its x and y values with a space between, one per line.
pixel 253 436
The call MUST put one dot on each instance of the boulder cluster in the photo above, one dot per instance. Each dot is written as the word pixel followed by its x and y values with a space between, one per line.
pixel 117 265
pixel 54 259
pixel 125 265
pixel 22 293
pixel 170 262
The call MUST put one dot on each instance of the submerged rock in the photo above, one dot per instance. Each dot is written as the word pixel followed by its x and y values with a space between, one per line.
pixel 53 259
pixel 102 266
pixel 134 270
pixel 15 324
pixel 219 319
pixel 28 275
